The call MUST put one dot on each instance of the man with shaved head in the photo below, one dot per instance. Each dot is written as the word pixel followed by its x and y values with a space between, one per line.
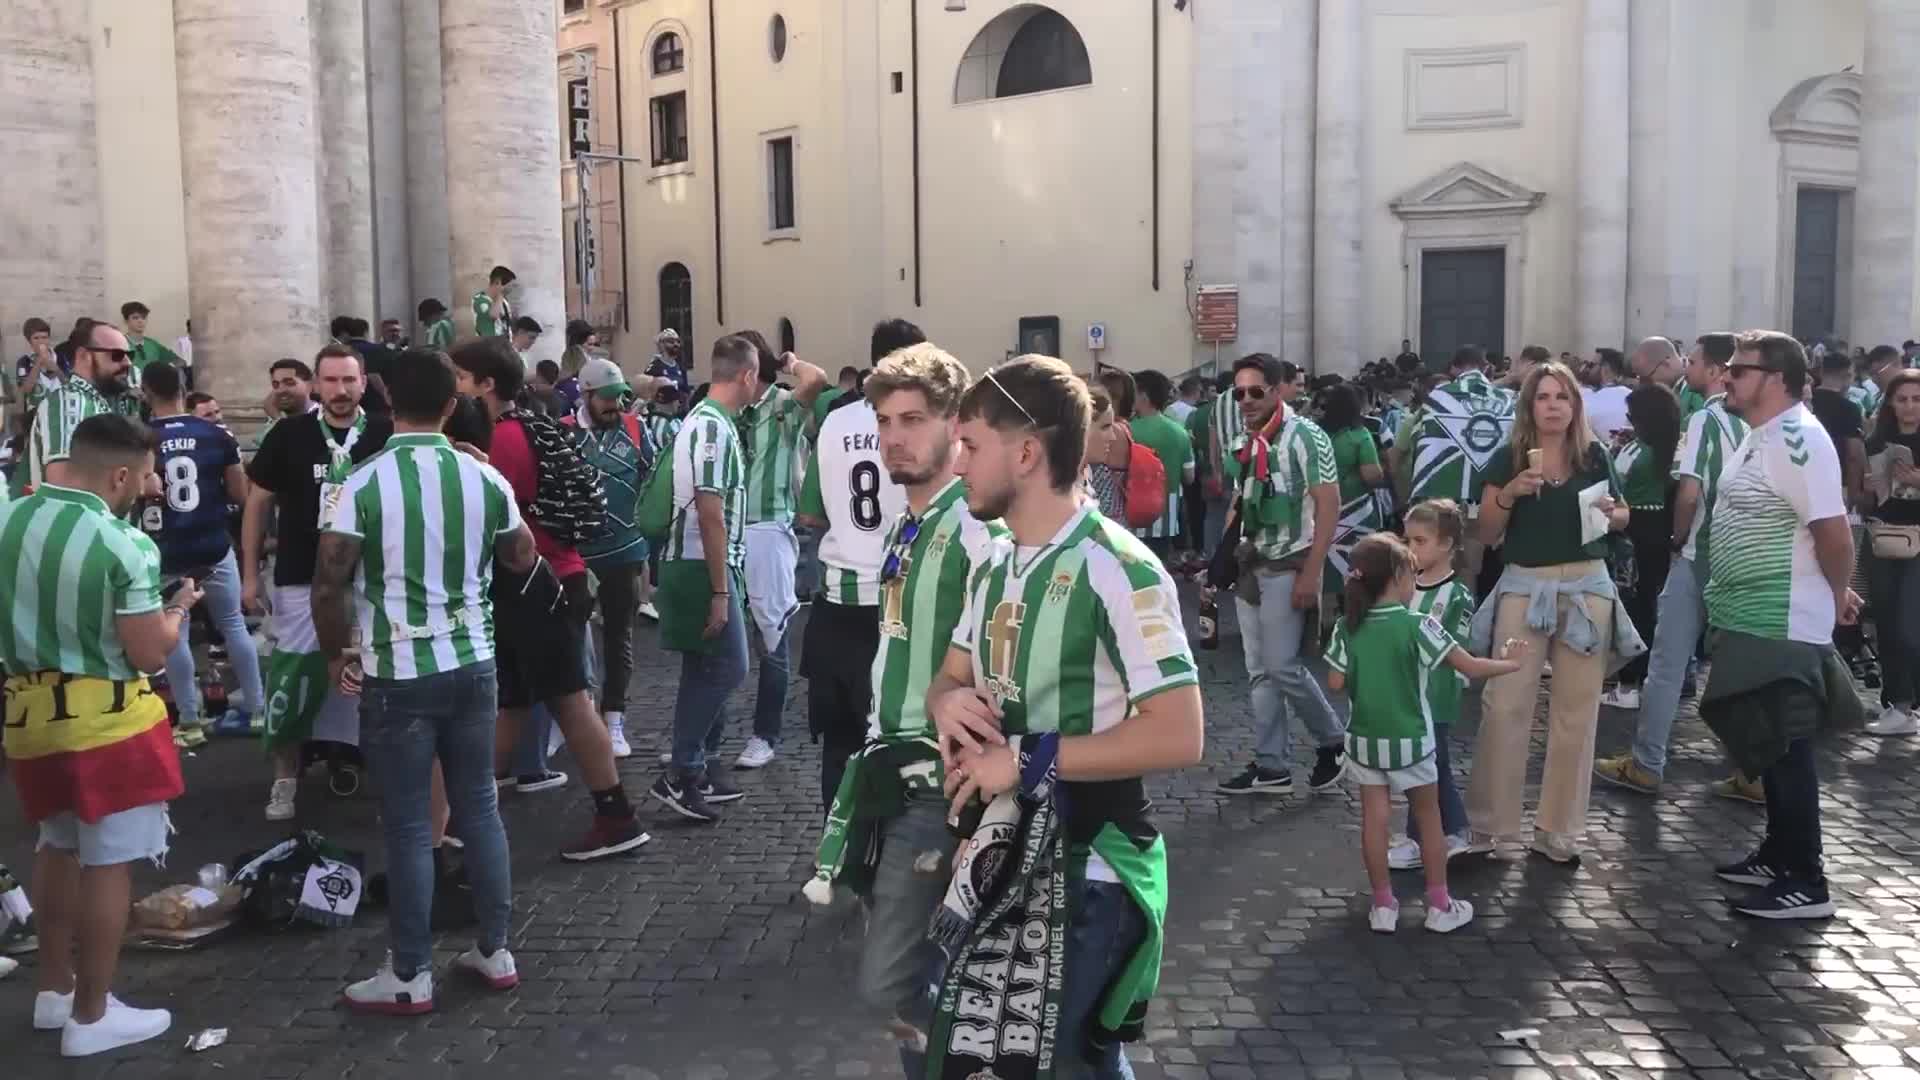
pixel 103 381
pixel 1655 360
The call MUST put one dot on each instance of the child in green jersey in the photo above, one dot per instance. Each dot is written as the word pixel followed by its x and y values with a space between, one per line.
pixel 1436 535
pixel 1385 656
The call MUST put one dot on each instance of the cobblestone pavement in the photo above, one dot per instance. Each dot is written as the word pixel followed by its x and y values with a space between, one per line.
pixel 696 958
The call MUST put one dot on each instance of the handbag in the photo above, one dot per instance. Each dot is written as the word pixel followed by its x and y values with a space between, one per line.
pixel 1893 541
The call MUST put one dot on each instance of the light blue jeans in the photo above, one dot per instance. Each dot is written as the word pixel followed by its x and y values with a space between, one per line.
pixel 1270 635
pixel 223 604
pixel 404 726
pixel 707 680
pixel 899 967
pixel 1683 614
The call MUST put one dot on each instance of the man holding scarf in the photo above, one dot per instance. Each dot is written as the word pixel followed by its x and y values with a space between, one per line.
pixel 891 788
pixel 1068 680
pixel 302 463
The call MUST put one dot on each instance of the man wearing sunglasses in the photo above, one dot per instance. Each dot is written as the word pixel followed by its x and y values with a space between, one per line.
pixel 103 381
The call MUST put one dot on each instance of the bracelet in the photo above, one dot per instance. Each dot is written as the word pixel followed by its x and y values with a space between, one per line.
pixel 1504 506
pixel 176 608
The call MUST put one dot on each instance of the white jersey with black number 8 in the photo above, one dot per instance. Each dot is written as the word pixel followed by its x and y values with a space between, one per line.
pixel 859 501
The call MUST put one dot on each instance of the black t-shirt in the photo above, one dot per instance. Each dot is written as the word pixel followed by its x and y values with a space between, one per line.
pixel 292 463
pixel 1903 508
pixel 1837 414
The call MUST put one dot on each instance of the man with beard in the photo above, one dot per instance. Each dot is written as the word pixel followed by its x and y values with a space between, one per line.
pixel 1068 680
pixel 291 394
pixel 101 383
pixel 932 552
pixel 301 464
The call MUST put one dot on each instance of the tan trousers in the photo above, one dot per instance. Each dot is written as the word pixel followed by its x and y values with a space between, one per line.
pixel 1494 796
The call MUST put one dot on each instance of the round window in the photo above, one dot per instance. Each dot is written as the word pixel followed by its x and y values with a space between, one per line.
pixel 778 36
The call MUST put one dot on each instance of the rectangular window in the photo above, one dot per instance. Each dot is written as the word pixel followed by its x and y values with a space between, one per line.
pixel 780 182
pixel 670 128
pixel 572 7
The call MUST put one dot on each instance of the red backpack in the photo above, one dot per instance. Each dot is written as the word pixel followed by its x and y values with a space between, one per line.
pixel 1146 496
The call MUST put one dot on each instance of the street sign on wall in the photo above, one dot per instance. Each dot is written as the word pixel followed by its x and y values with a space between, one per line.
pixel 1216 319
pixel 579 116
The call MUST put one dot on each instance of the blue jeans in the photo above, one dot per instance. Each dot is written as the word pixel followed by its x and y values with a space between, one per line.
pixel 1894 588
pixel 1453 809
pixel 223 604
pixel 404 726
pixel 1105 927
pixel 1683 614
pixel 899 967
pixel 1216 524
pixel 1270 634
pixel 770 697
pixel 707 679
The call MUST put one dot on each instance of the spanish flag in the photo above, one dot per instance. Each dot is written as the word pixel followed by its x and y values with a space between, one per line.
pixel 86 745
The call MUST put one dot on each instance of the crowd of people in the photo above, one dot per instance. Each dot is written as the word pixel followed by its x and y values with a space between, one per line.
pixel 996 651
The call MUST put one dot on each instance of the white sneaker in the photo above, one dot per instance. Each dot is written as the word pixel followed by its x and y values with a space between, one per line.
pixel 1621 697
pixel 648 611
pixel 280 799
pixel 121 1025
pixel 757 755
pixel 390 995
pixel 1448 919
pixel 555 738
pixel 1384 920
pixel 1404 854
pixel 497 971
pixel 1894 720
pixel 617 734
pixel 1457 845
pixel 51 1011
pixel 666 756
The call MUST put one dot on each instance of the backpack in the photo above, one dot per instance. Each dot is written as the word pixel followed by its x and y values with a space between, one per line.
pixel 568 500
pixel 654 515
pixel 1146 495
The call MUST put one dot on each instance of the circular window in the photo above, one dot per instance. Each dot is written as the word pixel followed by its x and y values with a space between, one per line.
pixel 778 38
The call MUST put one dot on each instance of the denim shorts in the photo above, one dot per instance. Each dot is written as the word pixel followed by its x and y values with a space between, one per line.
pixel 1399 781
pixel 128 836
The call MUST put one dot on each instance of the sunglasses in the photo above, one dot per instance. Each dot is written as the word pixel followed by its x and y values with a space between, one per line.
pixel 1249 393
pixel 117 354
pixel 909 531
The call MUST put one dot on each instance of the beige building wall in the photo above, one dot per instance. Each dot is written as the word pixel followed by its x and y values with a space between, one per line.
pixel 586 41
pixel 136 117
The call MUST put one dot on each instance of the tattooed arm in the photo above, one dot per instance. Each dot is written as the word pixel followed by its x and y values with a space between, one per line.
pixel 334 564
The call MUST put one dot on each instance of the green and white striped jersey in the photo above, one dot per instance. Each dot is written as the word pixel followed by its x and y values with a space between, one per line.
pixel 1229 431
pixel 1450 602
pixel 427 517
pixel 1074 635
pixel 1766 579
pixel 1280 510
pixel 1691 400
pixel 488 322
pixel 847 484
pixel 440 335
pixel 922 604
pixel 62 410
pixel 770 430
pixel 1390 662
pixel 1710 437
pixel 1461 426
pixel 73 567
pixel 706 458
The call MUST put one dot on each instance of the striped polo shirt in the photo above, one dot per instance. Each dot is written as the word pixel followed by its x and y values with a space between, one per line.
pixel 72 569
pixel 427 517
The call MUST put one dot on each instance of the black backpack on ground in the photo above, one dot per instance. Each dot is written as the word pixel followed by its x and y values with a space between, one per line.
pixel 568 499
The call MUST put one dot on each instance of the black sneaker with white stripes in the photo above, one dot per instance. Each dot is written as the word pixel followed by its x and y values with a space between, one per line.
pixel 1329 765
pixel 1751 871
pixel 681 794
pixel 1790 900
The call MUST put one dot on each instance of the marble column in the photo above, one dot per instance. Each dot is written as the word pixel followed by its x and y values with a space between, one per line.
pixel 503 157
pixel 387 143
pixel 1294 57
pixel 1601 180
pixel 346 177
pixel 245 81
pixel 429 258
pixel 1339 195
pixel 1884 198
pixel 51 261
pixel 1650 103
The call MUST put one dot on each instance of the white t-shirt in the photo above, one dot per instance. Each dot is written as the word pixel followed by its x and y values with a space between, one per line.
pixel 1606 410
pixel 858 499
pixel 1766 577
pixel 1179 409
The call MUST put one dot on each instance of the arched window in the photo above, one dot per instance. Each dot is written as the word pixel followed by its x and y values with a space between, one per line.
pixel 1024 50
pixel 676 305
pixel 777 38
pixel 669 55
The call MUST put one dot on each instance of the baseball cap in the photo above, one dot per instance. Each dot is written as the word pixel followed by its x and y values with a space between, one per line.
pixel 600 374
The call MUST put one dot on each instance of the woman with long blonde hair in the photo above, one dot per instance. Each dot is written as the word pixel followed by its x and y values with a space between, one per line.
pixel 1557 596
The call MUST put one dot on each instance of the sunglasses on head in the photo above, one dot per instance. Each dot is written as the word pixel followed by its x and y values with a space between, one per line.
pixel 1249 393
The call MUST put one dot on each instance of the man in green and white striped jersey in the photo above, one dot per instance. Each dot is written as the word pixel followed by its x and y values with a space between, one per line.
pixel 437 323
pixel 848 493
pixel 932 551
pixel 103 382
pixel 702 577
pixel 1070 659
pixel 1710 438
pixel 406 556
pixel 771 429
